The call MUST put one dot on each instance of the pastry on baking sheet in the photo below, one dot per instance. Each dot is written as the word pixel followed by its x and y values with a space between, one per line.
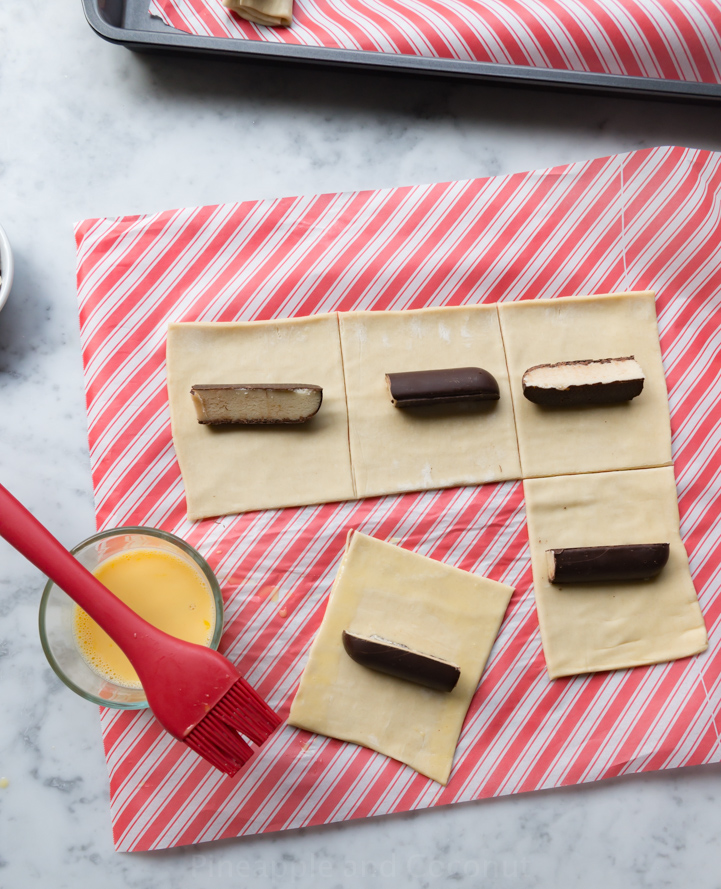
pixel 435 446
pixel 568 439
pixel 389 592
pixel 272 13
pixel 229 469
pixel 587 627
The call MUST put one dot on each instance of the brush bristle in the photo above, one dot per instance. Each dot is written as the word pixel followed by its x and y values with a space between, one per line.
pixel 216 738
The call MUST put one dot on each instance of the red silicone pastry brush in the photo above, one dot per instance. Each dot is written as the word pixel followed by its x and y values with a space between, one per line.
pixel 195 693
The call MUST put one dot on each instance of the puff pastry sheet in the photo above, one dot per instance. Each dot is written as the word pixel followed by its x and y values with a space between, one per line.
pixel 562 441
pixel 240 468
pixel 590 627
pixel 360 445
pixel 421 603
pixel 273 13
pixel 415 449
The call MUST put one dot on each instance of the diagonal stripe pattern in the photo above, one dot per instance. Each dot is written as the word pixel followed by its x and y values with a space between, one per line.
pixel 649 220
pixel 667 39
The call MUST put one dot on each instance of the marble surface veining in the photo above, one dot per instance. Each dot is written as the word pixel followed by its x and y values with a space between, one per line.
pixel 89 129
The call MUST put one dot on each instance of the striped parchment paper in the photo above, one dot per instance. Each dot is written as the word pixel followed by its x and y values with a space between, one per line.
pixel 649 220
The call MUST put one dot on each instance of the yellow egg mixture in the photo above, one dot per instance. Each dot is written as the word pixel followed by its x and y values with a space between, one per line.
pixel 164 589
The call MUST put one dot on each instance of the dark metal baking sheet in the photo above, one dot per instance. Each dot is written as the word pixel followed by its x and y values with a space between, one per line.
pixel 127 22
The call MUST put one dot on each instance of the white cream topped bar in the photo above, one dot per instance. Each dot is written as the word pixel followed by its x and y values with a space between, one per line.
pixel 590 381
pixel 255 404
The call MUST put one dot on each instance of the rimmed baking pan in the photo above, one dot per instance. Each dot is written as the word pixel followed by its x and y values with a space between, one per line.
pixel 128 23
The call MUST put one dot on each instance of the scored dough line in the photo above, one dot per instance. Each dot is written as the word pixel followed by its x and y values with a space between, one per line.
pixel 508 372
pixel 347 411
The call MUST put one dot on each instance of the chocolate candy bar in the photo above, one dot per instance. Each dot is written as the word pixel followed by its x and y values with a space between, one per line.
pixel 401 662
pixel 251 404
pixel 598 564
pixel 447 386
pixel 573 383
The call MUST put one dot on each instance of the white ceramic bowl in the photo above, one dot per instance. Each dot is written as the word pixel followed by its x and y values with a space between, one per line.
pixel 6 268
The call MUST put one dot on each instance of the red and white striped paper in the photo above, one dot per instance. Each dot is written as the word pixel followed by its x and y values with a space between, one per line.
pixel 649 220
pixel 669 39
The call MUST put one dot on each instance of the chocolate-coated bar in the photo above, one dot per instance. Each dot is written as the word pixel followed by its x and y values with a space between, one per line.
pixel 574 383
pixel 447 386
pixel 255 404
pixel 599 564
pixel 401 662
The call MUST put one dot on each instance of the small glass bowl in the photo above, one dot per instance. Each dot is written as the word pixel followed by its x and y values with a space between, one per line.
pixel 57 611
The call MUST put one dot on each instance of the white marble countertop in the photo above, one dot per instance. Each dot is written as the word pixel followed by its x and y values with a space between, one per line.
pixel 89 129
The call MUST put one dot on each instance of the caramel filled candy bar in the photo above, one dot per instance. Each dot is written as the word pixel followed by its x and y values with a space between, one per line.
pixel 599 564
pixel 401 662
pixel 574 383
pixel 447 386
pixel 250 404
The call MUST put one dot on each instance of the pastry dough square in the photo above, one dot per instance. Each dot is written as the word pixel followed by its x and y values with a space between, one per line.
pixel 434 608
pixel 415 449
pixel 231 469
pixel 590 627
pixel 562 441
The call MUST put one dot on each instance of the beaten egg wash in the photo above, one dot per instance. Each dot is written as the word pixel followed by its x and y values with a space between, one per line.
pixel 164 589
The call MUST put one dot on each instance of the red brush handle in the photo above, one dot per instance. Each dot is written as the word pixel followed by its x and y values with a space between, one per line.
pixel 25 533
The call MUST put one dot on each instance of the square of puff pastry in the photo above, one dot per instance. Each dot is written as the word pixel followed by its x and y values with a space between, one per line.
pixel 433 446
pixel 229 469
pixel 612 626
pixel 384 590
pixel 597 438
